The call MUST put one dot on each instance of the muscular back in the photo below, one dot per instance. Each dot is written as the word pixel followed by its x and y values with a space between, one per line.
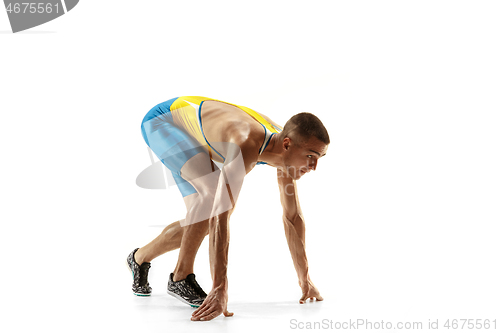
pixel 223 122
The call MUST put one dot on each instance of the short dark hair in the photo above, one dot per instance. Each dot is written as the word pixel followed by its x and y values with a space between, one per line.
pixel 306 125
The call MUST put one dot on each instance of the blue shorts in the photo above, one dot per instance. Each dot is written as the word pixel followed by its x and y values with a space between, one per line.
pixel 171 144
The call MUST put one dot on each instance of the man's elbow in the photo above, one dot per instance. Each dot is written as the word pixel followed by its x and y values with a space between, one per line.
pixel 295 220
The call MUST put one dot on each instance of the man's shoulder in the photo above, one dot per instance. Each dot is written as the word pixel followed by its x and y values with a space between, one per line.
pixel 248 144
pixel 249 140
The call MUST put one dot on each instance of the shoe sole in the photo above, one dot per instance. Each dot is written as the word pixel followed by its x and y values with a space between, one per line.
pixel 130 270
pixel 182 299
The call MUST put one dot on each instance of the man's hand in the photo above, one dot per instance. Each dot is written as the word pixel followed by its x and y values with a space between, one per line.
pixel 309 291
pixel 213 306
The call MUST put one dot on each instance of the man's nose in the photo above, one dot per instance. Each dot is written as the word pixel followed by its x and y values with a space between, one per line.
pixel 312 166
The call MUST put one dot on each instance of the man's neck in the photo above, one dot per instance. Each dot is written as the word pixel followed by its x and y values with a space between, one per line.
pixel 273 152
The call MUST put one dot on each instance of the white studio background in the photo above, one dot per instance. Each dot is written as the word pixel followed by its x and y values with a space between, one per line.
pixel 402 214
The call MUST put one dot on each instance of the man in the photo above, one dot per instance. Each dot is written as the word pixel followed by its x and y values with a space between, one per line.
pixel 189 134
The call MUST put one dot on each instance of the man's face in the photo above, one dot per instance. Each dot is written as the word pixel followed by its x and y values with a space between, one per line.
pixel 300 158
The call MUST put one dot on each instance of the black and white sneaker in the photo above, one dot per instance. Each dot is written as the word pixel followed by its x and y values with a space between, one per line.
pixel 140 287
pixel 187 290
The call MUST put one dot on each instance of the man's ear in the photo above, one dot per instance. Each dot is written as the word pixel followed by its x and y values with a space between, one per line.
pixel 286 143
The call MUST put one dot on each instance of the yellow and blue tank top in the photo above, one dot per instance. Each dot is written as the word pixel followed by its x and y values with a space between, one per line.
pixel 186 114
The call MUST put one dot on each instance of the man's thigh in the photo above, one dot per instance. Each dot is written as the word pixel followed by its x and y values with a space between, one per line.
pixel 175 148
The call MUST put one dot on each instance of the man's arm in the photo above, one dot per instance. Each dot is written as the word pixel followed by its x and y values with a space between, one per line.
pixel 239 161
pixel 293 221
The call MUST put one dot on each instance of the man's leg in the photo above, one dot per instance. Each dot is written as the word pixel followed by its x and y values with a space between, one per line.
pixel 195 171
pixel 171 239
pixel 168 240
pixel 188 161
pixel 191 240
pixel 189 237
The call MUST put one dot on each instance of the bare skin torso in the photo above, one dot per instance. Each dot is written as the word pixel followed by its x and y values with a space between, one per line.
pixel 226 123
